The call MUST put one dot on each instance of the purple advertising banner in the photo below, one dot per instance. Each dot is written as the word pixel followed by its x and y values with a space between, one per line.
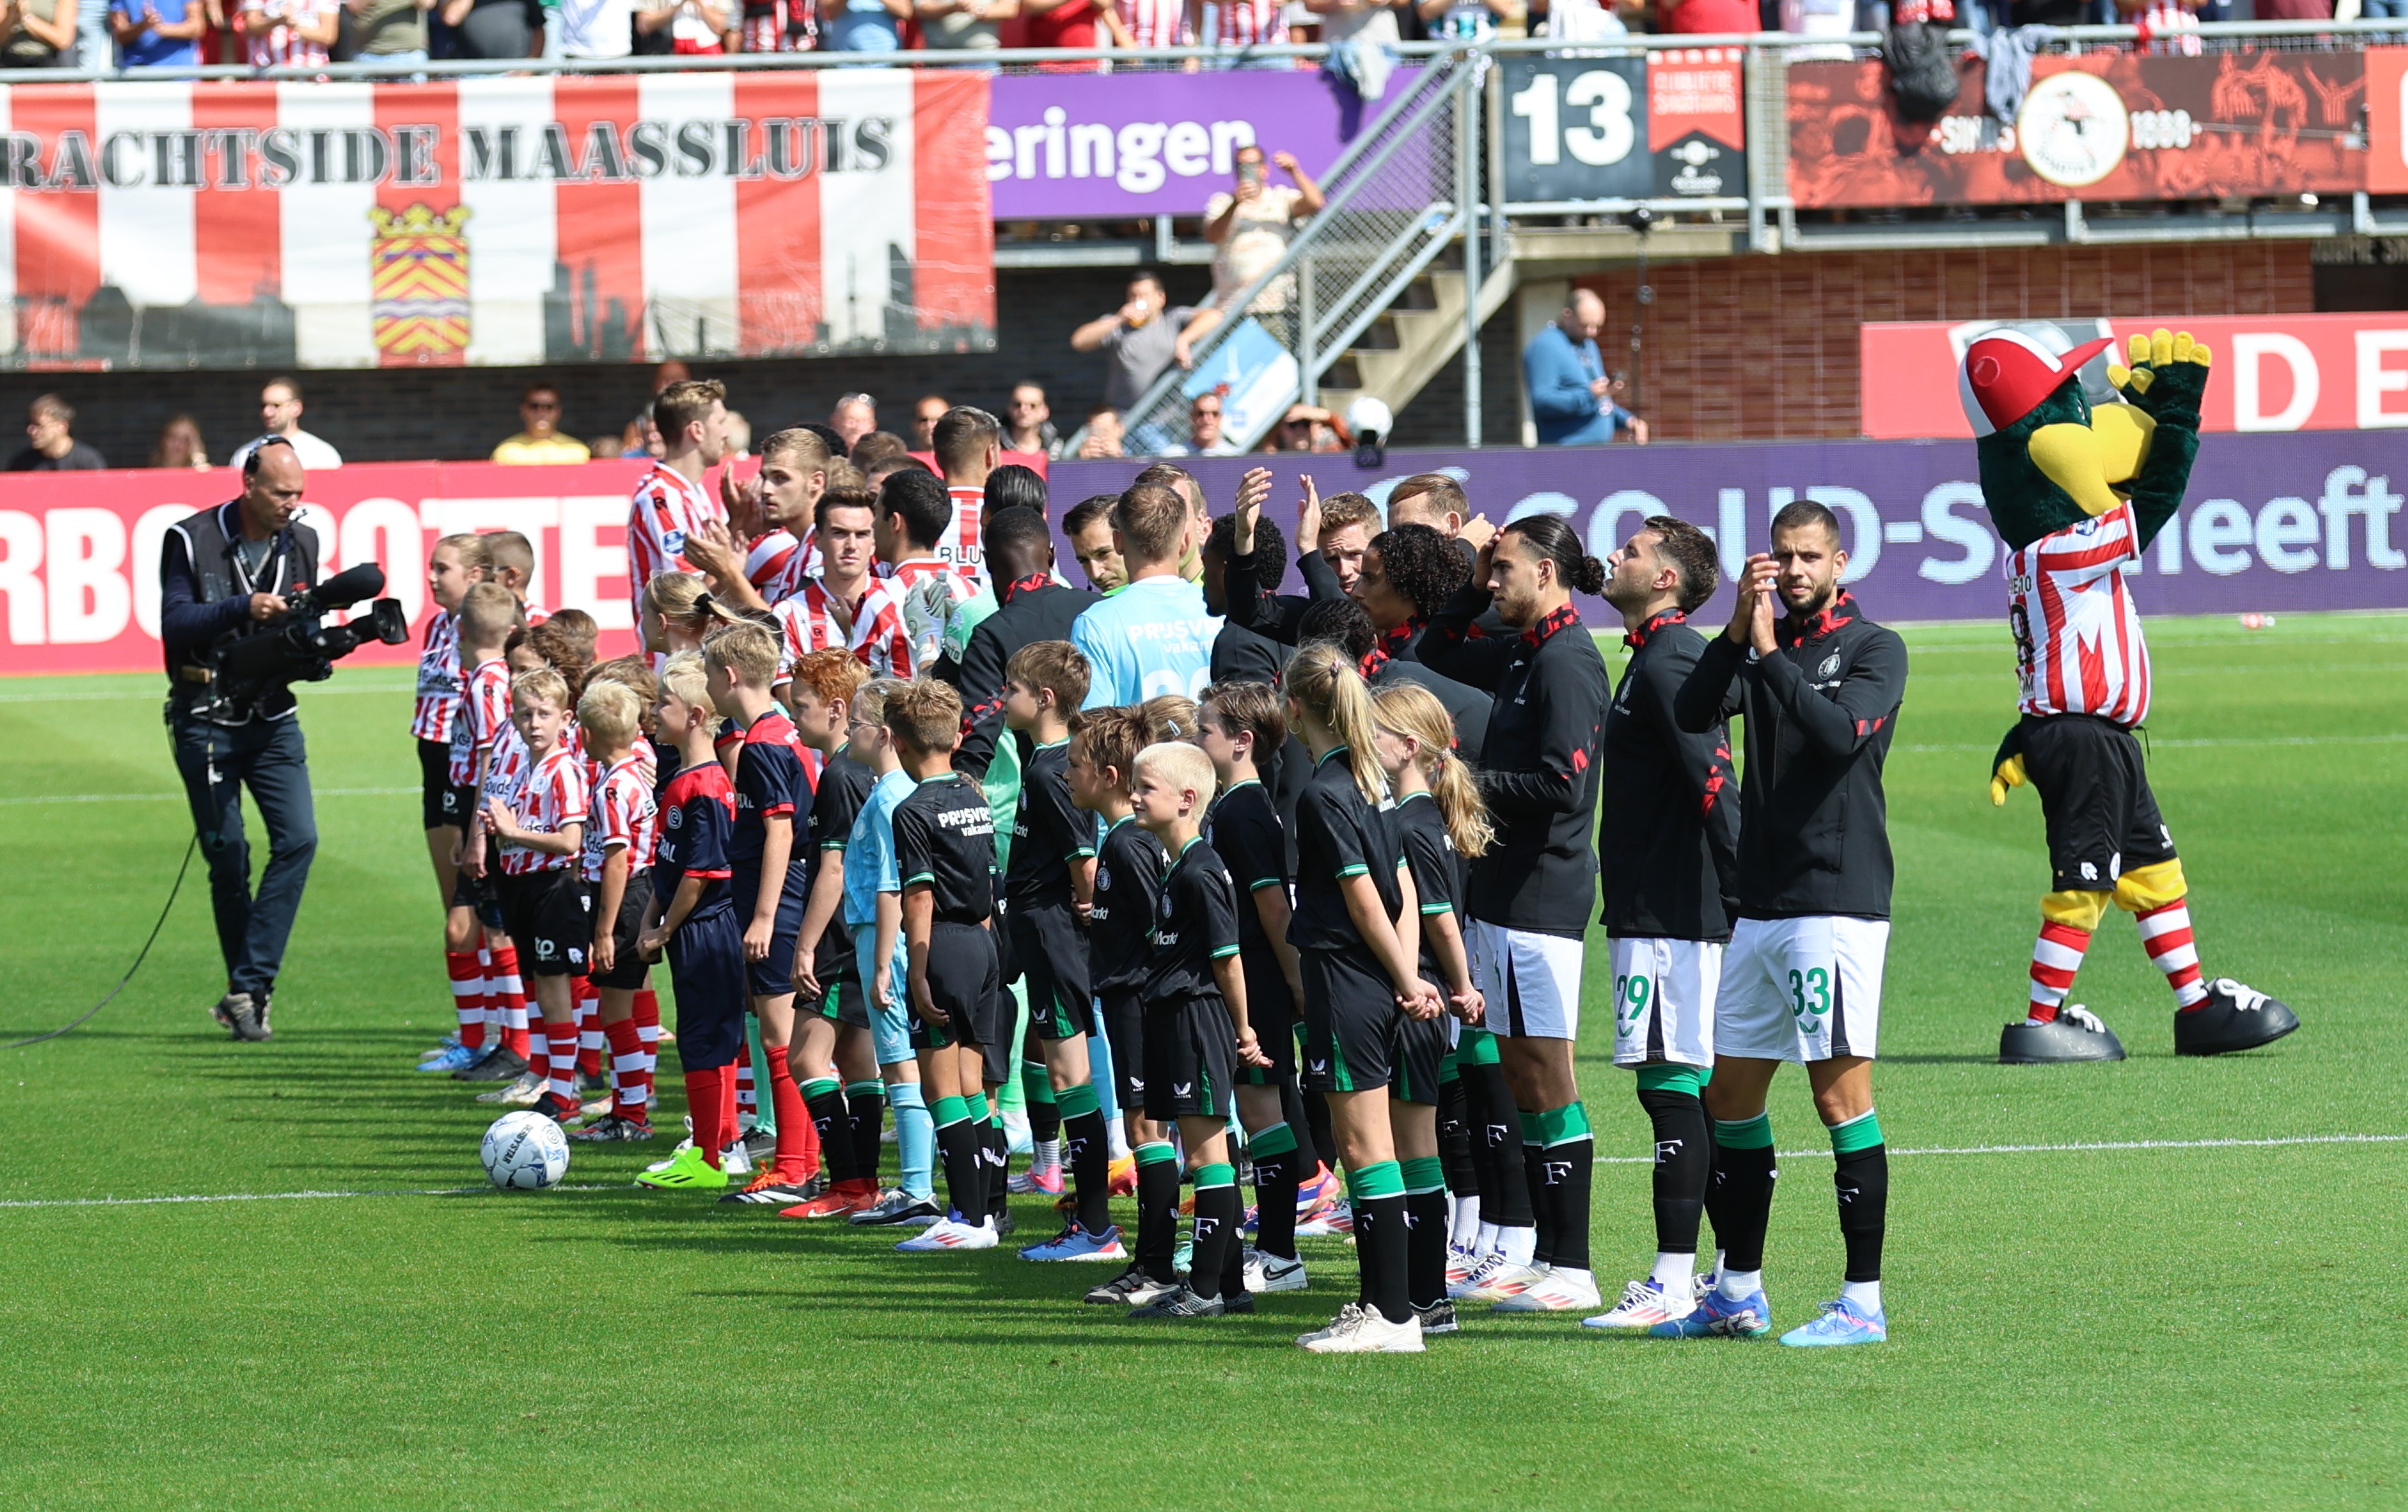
pixel 1068 146
pixel 2300 521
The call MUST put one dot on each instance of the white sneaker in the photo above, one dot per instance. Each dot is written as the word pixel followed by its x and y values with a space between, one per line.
pixel 1478 1268
pixel 736 1159
pixel 1503 1279
pixel 1268 1273
pixel 1461 1261
pixel 949 1234
pixel 1344 1319
pixel 1361 1330
pixel 1644 1304
pixel 518 1094
pixel 683 1145
pixel 1560 1290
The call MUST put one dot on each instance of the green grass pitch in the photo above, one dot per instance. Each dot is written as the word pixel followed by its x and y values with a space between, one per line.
pixel 2168 1323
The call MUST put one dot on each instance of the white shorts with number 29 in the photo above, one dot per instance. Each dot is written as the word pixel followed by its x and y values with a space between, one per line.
pixel 1802 989
pixel 1664 1000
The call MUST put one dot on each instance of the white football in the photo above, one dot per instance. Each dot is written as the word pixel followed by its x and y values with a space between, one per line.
pixel 524 1152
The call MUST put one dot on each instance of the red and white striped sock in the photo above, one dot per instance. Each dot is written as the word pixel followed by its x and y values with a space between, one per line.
pixel 511 992
pixel 626 1069
pixel 648 1034
pixel 2056 954
pixel 563 1076
pixel 468 996
pixel 746 1100
pixel 2165 934
pixel 589 1026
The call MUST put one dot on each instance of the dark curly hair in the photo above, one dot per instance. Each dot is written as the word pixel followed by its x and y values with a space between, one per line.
pixel 1422 564
pixel 1270 546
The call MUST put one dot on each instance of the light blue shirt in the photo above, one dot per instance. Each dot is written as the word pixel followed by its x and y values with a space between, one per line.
pixel 869 865
pixel 862 26
pixel 1152 637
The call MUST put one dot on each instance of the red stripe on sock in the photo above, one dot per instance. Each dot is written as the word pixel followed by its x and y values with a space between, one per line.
pixel 706 1098
pixel 626 1086
pixel 798 1156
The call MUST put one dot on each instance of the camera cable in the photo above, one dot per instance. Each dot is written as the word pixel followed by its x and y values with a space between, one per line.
pixel 144 954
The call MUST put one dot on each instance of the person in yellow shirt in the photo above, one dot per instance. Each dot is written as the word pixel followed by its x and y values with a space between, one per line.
pixel 541 442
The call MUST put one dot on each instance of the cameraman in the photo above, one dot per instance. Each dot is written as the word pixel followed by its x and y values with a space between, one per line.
pixel 224 577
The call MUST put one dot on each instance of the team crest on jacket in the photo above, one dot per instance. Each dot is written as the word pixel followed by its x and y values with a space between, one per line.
pixel 1103 879
pixel 675 817
pixel 1830 667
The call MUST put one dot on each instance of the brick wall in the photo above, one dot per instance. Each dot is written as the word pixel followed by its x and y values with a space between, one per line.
pixel 1765 348
pixel 407 414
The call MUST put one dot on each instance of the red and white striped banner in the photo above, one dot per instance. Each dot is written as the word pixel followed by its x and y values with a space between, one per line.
pixel 494 220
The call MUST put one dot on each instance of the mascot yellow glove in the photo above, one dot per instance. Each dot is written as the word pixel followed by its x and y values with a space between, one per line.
pixel 2007 767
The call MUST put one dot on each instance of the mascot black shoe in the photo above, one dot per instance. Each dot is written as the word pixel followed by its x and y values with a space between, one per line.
pixel 2078 491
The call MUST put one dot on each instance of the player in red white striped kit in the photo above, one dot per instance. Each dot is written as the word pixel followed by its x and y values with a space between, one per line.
pixel 671 504
pixel 2077 494
pixel 457 564
pixel 615 867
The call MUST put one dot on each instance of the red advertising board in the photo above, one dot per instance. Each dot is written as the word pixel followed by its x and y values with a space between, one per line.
pixel 80 551
pixel 2102 126
pixel 2273 372
pixel 2387 143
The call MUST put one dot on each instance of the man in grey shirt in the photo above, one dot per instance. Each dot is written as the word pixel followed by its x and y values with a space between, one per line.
pixel 1139 340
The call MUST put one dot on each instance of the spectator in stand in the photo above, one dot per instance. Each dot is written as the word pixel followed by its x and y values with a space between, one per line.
pixel 1072 24
pixel 877 447
pixel 1103 433
pixel 395 31
pixel 291 34
pixel 605 448
pixel 280 414
pixel 50 447
pixel 180 445
pixel 492 28
pixel 855 416
pixel 1205 437
pixel 1571 398
pixel 1140 341
pixel 1244 23
pixel 37 34
pixel 1028 422
pixel 1308 427
pixel 1696 17
pixel 594 30
pixel 740 434
pixel 639 438
pixel 963 25
pixel 1251 224
pixel 1156 23
pixel 152 34
pixel 925 416
pixel 1362 37
pixel 1465 20
pixel 540 442
pixel 93 47
pixel 863 26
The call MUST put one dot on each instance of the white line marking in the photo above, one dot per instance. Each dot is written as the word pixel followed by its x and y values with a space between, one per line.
pixel 149 693
pixel 2395 738
pixel 1602 1160
pixel 179 797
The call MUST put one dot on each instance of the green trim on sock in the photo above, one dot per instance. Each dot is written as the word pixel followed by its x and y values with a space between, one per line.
pixel 1448 1070
pixel 1423 1174
pixel 1747 1134
pixel 854 1090
pixel 1671 1078
pixel 1861 1133
pixel 1533 1129
pixel 1036 1082
pixel 949 1109
pixel 1154 1152
pixel 1382 1178
pixel 1278 1139
pixel 1566 1125
pixel 1078 1100
pixel 1218 1173
pixel 1477 1047
pixel 818 1087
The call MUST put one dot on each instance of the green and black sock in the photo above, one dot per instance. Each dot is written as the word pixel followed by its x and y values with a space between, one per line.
pixel 1089 1147
pixel 1740 1200
pixel 866 1110
pixel 1567 1161
pixel 958 1148
pixel 1377 1193
pixel 1157 1210
pixel 1860 1178
pixel 823 1097
pixel 1685 1154
pixel 1278 1170
pixel 1218 1214
pixel 1534 1173
pixel 1425 1226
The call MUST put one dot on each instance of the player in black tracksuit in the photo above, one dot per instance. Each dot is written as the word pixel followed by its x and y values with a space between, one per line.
pixel 1668 851
pixel 1820 689
pixel 1531 894
pixel 1030 607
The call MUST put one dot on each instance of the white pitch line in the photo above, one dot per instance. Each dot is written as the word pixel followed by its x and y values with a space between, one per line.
pixel 2393 738
pixel 1602 1160
pixel 149 695
pixel 179 797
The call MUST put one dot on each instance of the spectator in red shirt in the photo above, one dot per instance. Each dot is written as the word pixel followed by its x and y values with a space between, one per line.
pixel 1707 16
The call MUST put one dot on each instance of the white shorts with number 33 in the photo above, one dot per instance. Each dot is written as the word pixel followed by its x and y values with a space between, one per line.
pixel 1802 989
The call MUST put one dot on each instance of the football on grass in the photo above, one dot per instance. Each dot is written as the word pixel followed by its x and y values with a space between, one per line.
pixel 525 1152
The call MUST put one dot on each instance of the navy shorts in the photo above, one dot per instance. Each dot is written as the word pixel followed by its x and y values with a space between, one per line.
pixel 706 972
pixel 772 977
pixel 627 969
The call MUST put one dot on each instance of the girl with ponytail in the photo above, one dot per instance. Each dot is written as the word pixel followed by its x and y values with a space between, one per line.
pixel 1440 822
pixel 1356 937
pixel 1532 893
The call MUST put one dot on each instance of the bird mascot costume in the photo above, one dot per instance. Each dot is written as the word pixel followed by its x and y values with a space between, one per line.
pixel 2077 493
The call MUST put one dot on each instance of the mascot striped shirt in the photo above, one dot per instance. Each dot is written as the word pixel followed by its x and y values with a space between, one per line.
pixel 2078 645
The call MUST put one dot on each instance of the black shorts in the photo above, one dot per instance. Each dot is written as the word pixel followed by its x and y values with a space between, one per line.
pixel 962 983
pixel 707 972
pixel 1121 1016
pixel 1191 1059
pixel 1270 1011
pixel 1051 951
pixel 1418 1056
pixel 774 976
pixel 480 896
pixel 440 803
pixel 2102 820
pixel 550 917
pixel 841 998
pixel 627 969
pixel 1350 1022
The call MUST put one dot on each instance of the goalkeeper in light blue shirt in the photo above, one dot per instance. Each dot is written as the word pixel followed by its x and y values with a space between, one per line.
pixel 1153 637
